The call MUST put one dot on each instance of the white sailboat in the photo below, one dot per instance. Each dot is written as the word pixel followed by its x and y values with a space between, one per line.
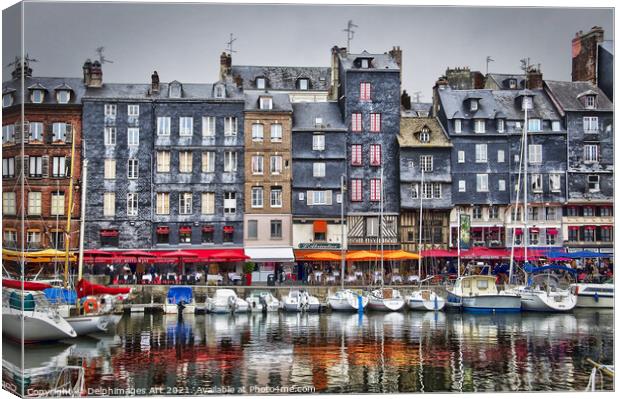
pixel 226 300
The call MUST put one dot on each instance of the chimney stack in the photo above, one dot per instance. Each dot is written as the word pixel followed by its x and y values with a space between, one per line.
pixel 154 83
pixel 21 65
pixel 93 74
pixel 405 100
pixel 335 80
pixel 534 78
pixel 86 70
pixel 585 54
pixel 397 54
pixel 225 65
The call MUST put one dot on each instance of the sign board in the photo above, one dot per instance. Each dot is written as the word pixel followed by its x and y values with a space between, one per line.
pixel 318 245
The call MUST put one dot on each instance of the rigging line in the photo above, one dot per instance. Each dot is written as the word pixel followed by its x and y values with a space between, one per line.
pixel 518 194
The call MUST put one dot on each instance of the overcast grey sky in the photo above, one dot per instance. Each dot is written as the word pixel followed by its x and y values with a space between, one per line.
pixel 183 41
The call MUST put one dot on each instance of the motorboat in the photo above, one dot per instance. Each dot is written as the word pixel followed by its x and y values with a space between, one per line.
pixel 180 300
pixel 226 300
pixel 592 295
pixel 543 292
pixel 386 299
pixel 478 293
pixel 263 301
pixel 300 301
pixel 425 299
pixel 41 321
pixel 347 300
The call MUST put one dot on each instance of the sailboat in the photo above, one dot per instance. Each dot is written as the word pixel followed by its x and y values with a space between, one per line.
pixel 423 299
pixel 345 299
pixel 384 299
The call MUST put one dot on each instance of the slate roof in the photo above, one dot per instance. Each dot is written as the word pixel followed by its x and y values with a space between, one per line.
pixel 608 45
pixel 567 95
pixel 280 102
pixel 281 77
pixel 142 91
pixel 501 80
pixel 379 61
pixel 417 107
pixel 49 84
pixel 411 126
pixel 494 103
pixel 304 115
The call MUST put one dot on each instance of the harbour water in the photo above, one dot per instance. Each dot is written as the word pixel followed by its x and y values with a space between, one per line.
pixel 303 353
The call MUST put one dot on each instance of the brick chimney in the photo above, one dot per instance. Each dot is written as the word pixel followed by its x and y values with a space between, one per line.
pixel 335 80
pixel 397 54
pixel 405 100
pixel 93 74
pixel 585 54
pixel 88 64
pixel 154 83
pixel 225 65
pixel 534 78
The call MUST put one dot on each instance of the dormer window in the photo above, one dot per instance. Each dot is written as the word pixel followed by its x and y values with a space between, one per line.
pixel 37 96
pixel 512 83
pixel 7 100
pixel 303 84
pixel 318 122
pixel 527 103
pixel 63 96
pixel 473 104
pixel 501 125
pixel 220 92
pixel 364 63
pixel 261 83
pixel 425 135
pixel 479 126
pixel 175 89
pixel 590 101
pixel 265 103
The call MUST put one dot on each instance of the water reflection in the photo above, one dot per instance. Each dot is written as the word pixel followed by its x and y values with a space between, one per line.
pixel 380 352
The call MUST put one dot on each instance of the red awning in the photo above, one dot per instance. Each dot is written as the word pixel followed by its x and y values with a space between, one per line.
pixel 574 228
pixel 534 230
pixel 320 226
pixel 208 229
pixel 553 232
pixel 518 232
pixel 97 252
pixel 137 253
pixel 476 229
pixel 440 253
pixel 163 230
pixel 229 229
pixel 485 253
pixel 185 230
pixel 607 227
pixel 590 227
pixel 109 233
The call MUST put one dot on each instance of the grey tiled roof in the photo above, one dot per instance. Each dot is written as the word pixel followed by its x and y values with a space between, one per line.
pixel 494 103
pixel 608 45
pixel 417 107
pixel 501 79
pixel 305 114
pixel 379 61
pixel 142 91
pixel 49 85
pixel 567 95
pixel 281 77
pixel 281 102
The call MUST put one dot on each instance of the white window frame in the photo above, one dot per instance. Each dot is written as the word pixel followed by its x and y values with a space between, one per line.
pixel 163 162
pixel 590 124
pixel 163 125
pixel 596 181
pixel 109 135
pixel 57 203
pixel 35 131
pixel 501 125
pixel 534 125
pixel 208 126
pixel 109 111
pixel 133 136
pixel 479 125
pixel 276 132
pixel 501 185
pixel 258 162
pixel 257 197
pixel 318 169
pixel 535 155
pixel 9 203
pixel 276 163
pixel 162 204
pixel 276 197
pixel 207 203
pixel 426 163
pixel 230 161
pixel 318 142
pixel 8 167
pixel 555 182
pixel 208 162
pixel 186 126
pixel 258 132
pixel 501 156
pixel 482 182
pixel 35 206
pixel 458 125
pixel 59 131
pixel 265 103
pixel 462 186
pixel 133 110
pixel 591 153
pixel 536 183
pixel 481 153
pixel 185 203
pixel 59 167
pixel 230 199
pixel 556 126
pixel 186 159
pixel 461 156
pixel 590 101
pixel 132 168
pixel 132 204
pixel 230 126
pixel 109 204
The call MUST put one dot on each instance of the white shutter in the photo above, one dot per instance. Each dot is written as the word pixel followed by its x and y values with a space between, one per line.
pixel 309 198
pixel 328 197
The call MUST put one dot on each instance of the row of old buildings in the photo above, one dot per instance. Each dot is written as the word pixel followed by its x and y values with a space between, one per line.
pixel 268 158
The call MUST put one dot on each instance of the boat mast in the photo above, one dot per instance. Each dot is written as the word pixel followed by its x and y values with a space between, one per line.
pixel 342 235
pixel 458 242
pixel 420 193
pixel 526 99
pixel 381 225
pixel 82 219
pixel 69 211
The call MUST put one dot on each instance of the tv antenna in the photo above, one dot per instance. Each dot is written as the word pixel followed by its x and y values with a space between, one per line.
pixel 350 33
pixel 17 60
pixel 489 59
pixel 229 44
pixel 418 95
pixel 102 58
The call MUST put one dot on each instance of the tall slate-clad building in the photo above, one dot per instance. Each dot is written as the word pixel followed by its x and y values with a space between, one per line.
pixel 367 88
pixel 319 160
pixel 588 116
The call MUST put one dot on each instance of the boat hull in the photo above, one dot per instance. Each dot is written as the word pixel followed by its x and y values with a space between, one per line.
pixel 492 303
pixel 88 324
pixel 256 305
pixel 294 307
pixel 346 302
pixel 174 309
pixel 595 301
pixel 540 301
pixel 386 305
pixel 36 328
pixel 417 301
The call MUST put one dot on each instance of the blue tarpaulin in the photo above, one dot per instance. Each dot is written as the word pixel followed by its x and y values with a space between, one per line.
pixel 60 295
pixel 180 294
pixel 531 269
pixel 587 254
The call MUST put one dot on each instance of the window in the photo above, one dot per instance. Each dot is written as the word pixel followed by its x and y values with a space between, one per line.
pixel 425 135
pixel 109 204
pixel 555 182
pixel 501 185
pixel 8 134
pixel 479 126
pixel 473 104
pixel 462 186
pixel 551 238
pixel 261 83
pixel 375 122
pixel 532 213
pixel 481 153
pixel 58 167
pixel 162 204
pixel 58 203
pixel 318 169
pixel 556 126
pixel 36 131
pixel 257 132
pixel 109 169
pixel 590 102
pixel 415 191
pixel 318 142
pixel 458 128
pixel 606 211
pixel 276 197
pixel 302 196
pixel 207 203
pixel 132 169
pixel 501 125
pixel 276 229
pixel 534 153
pixel 163 161
pixel 230 203
pixel 185 235
pixel 372 226
pixel 606 234
pixel 208 126
pixel 208 162
pixel 109 136
pixel 534 125
pixel 230 161
pixel 276 132
pixel 356 154
pixel 426 163
pixel 132 204
pixel 220 92
pixel 7 100
pixel 356 190
pixel 257 197
pixel 257 164
pixel 461 157
pixel 8 203
pixel 512 83
pixel 10 238
pixel 365 63
pixel 163 235
pixel 590 153
pixel 230 126
pixel 364 91
pixel 185 162
pixel 356 122
pixel 185 203
pixel 37 96
pixel 318 197
pixel 590 124
pixel 186 126
pixel 527 103
pixel 163 126
pixel 594 183
pixel 493 212
pixel 109 111
pixel 501 156
pixel 476 213
pixel 35 167
pixel 537 184
pixel 63 96
pixel 318 122
pixel 34 203
pixel 59 130
pixel 133 110
pixel 8 167
pixel 265 103
pixel 588 211
pixel 303 84
pixel 551 213
pixel 275 164
pixel 430 190
pixel 252 229
pixel 133 136
pixel 33 238
pixel 375 154
pixel 482 182
pixel 375 190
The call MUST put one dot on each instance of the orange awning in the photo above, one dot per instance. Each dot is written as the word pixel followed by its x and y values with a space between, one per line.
pixel 320 226
pixel 362 255
pixel 323 255
pixel 401 255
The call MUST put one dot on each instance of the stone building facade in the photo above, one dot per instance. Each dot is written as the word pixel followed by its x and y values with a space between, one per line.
pixel 592 59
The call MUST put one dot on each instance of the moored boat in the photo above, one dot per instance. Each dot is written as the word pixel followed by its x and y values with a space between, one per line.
pixel 385 299
pixel 478 293
pixel 226 300
pixel 543 293
pixel 347 300
pixel 300 301
pixel 590 295
pixel 180 300
pixel 425 299
pixel 262 301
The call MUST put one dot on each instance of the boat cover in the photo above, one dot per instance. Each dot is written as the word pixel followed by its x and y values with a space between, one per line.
pixel 531 269
pixel 60 295
pixel 180 294
pixel 86 288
